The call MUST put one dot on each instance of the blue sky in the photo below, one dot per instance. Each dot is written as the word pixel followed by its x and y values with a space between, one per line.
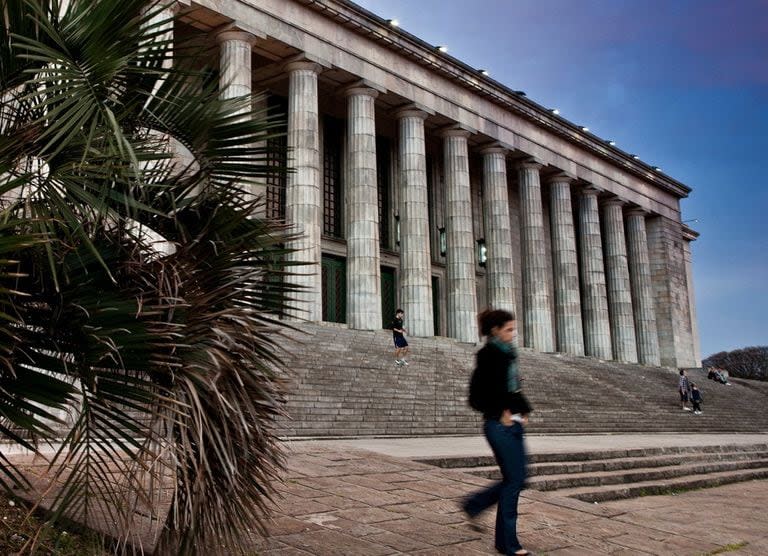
pixel 681 83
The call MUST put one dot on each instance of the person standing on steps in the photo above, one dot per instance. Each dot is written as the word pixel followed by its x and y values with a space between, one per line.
pixel 695 399
pixel 398 336
pixel 684 387
pixel 495 390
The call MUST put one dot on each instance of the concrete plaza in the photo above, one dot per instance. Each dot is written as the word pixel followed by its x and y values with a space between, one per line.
pixel 368 496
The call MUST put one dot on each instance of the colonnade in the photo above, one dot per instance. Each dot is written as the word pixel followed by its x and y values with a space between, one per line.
pixel 599 260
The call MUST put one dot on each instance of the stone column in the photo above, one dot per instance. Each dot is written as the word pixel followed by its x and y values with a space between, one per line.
pixel 597 328
pixel 415 260
pixel 235 63
pixel 498 235
pixel 537 320
pixel 617 280
pixel 460 256
pixel 363 267
pixel 570 332
pixel 303 194
pixel 642 290
pixel 670 290
pixel 689 236
pixel 235 81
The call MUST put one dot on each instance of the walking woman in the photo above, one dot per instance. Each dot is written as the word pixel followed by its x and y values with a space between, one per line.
pixel 495 390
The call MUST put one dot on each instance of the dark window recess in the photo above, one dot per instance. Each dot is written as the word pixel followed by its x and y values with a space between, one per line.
pixel 334 280
pixel 277 159
pixel 436 304
pixel 383 183
pixel 387 295
pixel 332 189
pixel 431 207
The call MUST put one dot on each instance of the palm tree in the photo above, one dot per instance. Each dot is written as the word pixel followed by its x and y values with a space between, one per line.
pixel 138 305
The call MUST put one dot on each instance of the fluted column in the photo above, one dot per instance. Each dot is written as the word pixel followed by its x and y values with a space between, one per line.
pixel 303 194
pixel 415 260
pixel 597 328
pixel 537 320
pixel 570 332
pixel 642 289
pixel 617 280
pixel 460 255
pixel 235 63
pixel 498 235
pixel 363 270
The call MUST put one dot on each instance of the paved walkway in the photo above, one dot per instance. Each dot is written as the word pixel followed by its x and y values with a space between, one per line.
pixel 365 497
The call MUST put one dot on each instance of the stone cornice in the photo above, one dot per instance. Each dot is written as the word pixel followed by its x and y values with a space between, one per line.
pixel 689 234
pixel 366 23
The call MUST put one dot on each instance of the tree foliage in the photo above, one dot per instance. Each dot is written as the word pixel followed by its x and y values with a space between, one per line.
pixel 748 362
pixel 138 295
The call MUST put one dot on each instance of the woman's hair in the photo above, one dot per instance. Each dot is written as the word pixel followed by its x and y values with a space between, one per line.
pixel 491 318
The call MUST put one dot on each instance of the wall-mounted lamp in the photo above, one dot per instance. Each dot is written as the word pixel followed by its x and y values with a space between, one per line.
pixel 482 252
pixel 442 241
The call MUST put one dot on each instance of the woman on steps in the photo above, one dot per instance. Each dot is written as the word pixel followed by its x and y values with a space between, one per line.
pixel 495 390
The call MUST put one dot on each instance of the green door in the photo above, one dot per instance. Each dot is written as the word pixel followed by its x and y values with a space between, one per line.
pixel 387 296
pixel 334 276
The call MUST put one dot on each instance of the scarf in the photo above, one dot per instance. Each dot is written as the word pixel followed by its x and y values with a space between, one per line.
pixel 513 379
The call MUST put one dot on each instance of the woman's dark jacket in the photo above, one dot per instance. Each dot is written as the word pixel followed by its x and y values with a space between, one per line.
pixel 489 388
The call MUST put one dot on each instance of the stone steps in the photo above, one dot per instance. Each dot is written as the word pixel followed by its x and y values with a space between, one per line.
pixel 596 476
pixel 345 383
pixel 668 486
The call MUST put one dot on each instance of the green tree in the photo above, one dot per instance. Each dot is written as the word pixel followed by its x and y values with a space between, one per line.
pixel 138 299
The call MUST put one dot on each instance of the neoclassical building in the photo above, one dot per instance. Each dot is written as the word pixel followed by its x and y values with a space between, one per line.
pixel 420 182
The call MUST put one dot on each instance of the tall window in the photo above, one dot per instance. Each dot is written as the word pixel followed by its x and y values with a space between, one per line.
pixel 332 192
pixel 277 159
pixel 383 183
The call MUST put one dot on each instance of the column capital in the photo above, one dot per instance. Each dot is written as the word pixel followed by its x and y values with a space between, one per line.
pixel 493 148
pixel 455 130
pixel 637 211
pixel 412 110
pixel 560 177
pixel 614 201
pixel 530 164
pixel 360 90
pixel 305 61
pixel 303 65
pixel 236 32
pixel 363 87
pixel 590 191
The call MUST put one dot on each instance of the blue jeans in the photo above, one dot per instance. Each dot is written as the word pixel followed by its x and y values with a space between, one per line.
pixel 507 446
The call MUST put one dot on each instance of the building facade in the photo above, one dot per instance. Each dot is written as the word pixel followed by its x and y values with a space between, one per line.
pixel 419 182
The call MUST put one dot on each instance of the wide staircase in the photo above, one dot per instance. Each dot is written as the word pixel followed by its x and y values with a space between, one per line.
pixel 599 476
pixel 345 383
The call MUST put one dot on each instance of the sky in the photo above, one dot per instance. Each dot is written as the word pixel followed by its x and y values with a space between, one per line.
pixel 681 83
